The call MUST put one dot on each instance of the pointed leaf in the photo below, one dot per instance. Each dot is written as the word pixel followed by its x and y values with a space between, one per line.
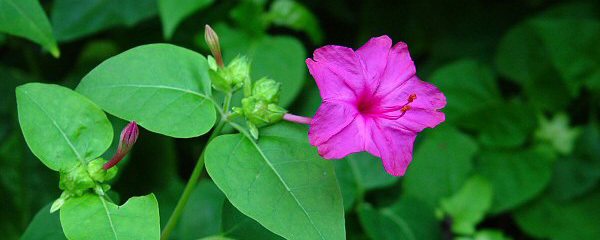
pixel 78 130
pixel 280 181
pixel 93 217
pixel 26 18
pixel 164 88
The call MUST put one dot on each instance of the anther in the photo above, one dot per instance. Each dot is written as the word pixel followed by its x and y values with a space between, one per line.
pixel 412 97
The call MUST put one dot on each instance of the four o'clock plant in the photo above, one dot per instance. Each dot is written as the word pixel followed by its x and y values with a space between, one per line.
pixel 269 169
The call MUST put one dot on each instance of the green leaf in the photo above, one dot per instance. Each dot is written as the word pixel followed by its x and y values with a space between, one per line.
pixel 516 176
pixel 556 220
pixel 408 219
pixel 26 18
pixel 78 130
pixel 93 217
pixel 358 173
pixel 468 86
pixel 241 227
pixel 72 19
pixel 280 58
pixel 280 181
pixel 440 164
pixel 172 12
pixel 502 125
pixel 523 59
pixel 486 234
pixel 578 64
pixel 292 14
pixel 164 88
pixel 579 173
pixel 201 216
pixel 44 226
pixel 468 206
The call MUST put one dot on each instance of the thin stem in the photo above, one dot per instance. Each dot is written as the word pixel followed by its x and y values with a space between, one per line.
pixel 191 184
pixel 297 119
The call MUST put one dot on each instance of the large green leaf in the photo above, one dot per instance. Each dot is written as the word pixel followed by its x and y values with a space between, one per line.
pixel 172 12
pixel 579 63
pixel 548 218
pixel 93 217
pixel 163 87
pixel 44 226
pixel 468 85
pixel 241 227
pixel 278 57
pixel 408 219
pixel 280 181
pixel 26 18
pixel 72 19
pixel 468 206
pixel 76 128
pixel 502 124
pixel 516 176
pixel 440 165
pixel 290 13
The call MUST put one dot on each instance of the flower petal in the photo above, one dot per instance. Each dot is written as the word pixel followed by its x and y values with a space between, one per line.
pixel 344 63
pixel 394 146
pixel 331 86
pixel 374 55
pixel 399 69
pixel 423 110
pixel 337 130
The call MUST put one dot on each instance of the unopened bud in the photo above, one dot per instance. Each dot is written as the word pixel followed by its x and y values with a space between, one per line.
pixel 96 170
pixel 267 90
pixel 238 72
pixel 211 38
pixel 260 112
pixel 128 137
pixel 76 181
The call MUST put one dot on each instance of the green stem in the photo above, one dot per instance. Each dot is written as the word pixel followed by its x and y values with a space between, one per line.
pixel 191 184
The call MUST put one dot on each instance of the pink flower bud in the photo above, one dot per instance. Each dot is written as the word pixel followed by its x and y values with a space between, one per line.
pixel 211 38
pixel 128 137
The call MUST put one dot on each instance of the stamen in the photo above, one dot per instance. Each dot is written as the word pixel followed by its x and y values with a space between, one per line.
pixel 412 97
pixel 404 108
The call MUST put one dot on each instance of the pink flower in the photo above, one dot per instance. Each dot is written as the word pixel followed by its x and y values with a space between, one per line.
pixel 372 101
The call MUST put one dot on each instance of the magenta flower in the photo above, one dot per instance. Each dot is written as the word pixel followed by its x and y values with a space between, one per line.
pixel 129 136
pixel 372 101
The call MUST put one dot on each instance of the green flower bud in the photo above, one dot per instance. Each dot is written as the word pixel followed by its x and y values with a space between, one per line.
pixel 253 130
pixel 76 181
pixel 260 112
pixel 58 203
pixel 218 80
pixel 96 171
pixel 238 72
pixel 267 90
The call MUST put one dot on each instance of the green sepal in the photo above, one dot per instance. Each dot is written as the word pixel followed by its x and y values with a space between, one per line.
pixel 261 113
pixel 96 172
pixel 267 90
pixel 76 181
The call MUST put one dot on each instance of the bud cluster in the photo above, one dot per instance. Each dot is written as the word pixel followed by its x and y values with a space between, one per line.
pixel 259 105
pixel 83 178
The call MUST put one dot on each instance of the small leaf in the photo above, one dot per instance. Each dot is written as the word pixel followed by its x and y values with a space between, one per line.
pixel 72 19
pixel 93 217
pixel 164 88
pixel 290 13
pixel 408 219
pixel 280 181
pixel 468 206
pixel 441 164
pixel 516 177
pixel 172 12
pixel 468 86
pixel 26 18
pixel 44 226
pixel 78 130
